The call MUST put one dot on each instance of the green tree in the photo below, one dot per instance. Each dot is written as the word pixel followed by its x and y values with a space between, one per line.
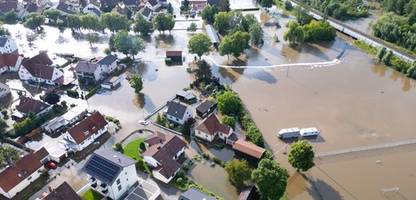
pixel 234 44
pixel 319 31
pixel 256 34
pixel 169 8
pixel 239 172
pixel 142 26
pixel 387 58
pixel 52 98
pixel 136 83
pixel 73 22
pixel 228 120
pixel 294 34
pixel 229 103
pixel 92 38
pixel 301 155
pixel 192 27
pixel 380 54
pixel 184 6
pixel 127 44
pixel 266 3
pixel 34 21
pixel 8 156
pixel 222 22
pixel 163 22
pixel 270 179
pixel 301 16
pixel 115 22
pixel 203 73
pixel 90 22
pixel 9 17
pixel 3 125
pixel 224 5
pixel 199 44
pixel 254 135
pixel 52 14
pixel 208 13
pixel 4 31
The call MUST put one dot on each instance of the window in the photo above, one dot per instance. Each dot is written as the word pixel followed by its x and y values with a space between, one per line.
pixel 119 187
pixel 118 181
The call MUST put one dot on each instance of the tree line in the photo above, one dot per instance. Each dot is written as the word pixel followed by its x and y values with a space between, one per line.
pixel 340 9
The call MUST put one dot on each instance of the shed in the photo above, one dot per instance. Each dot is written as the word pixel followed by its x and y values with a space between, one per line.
pixel 206 108
pixel 194 194
pixel 248 150
pixel 213 35
pixel 186 96
pixel 174 56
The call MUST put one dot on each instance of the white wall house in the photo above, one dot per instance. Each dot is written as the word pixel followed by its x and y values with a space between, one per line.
pixel 115 184
pixel 7 45
pixel 108 64
pixel 84 133
pixel 211 128
pixel 178 112
pixel 47 74
pixel 25 171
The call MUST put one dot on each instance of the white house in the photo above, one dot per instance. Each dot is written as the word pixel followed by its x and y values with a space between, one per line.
pixel 86 132
pixel 27 105
pixel 178 112
pixel 211 127
pixel 92 9
pixel 28 169
pixel 163 154
pixel 96 71
pixel 7 45
pixel 111 173
pixel 39 69
pixel 108 63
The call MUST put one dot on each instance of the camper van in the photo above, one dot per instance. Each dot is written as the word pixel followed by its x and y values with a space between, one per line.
pixel 289 133
pixel 309 132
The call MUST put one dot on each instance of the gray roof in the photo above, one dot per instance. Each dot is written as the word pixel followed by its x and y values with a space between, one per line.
pixel 194 194
pixel 107 60
pixel 212 34
pixel 146 11
pixel 206 106
pixel 3 41
pixel 153 2
pixel 176 109
pixel 105 165
pixel 86 67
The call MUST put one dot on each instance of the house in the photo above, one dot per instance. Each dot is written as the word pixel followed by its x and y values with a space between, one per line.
pixel 186 97
pixel 174 56
pixel 10 62
pixel 164 155
pixel 146 12
pixel 194 194
pixel 108 63
pixel 84 133
pixel 211 128
pixel 197 5
pixel 177 112
pixel 112 83
pixel 248 150
pixel 111 173
pixel 62 192
pixel 4 90
pixel 8 6
pixel 28 105
pixel 154 5
pixel 26 170
pixel 39 69
pixel 132 4
pixel 213 35
pixel 205 108
pixel 67 8
pixel 7 45
pixel 69 117
pixel 108 3
pixel 92 9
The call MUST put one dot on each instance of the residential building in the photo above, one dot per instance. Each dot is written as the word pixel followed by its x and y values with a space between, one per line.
pixel 62 192
pixel 164 154
pixel 211 127
pixel 9 6
pixel 4 90
pixel 92 9
pixel 111 173
pixel 7 45
pixel 174 56
pixel 69 117
pixel 177 112
pixel 132 4
pixel 248 151
pixel 26 170
pixel 96 71
pixel 28 105
pixel 10 62
pixel 194 194
pixel 108 63
pixel 39 69
pixel 186 97
pixel 84 133
pixel 205 108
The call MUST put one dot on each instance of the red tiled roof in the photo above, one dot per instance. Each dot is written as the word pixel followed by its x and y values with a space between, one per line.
pixel 39 66
pixel 211 125
pixel 23 168
pixel 173 53
pixel 248 148
pixel 155 138
pixel 8 59
pixel 27 105
pixel 87 127
pixel 63 192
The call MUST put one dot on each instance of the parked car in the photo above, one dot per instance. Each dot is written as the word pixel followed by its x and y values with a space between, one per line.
pixel 309 132
pixel 289 133
pixel 144 122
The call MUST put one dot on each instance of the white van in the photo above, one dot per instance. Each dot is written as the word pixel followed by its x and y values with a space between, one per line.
pixel 289 133
pixel 309 132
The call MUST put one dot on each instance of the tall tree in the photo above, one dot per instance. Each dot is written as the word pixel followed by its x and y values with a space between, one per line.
pixel 256 34
pixel 222 22
pixel 229 103
pixel 34 21
pixel 235 44
pixel 4 31
pixel 301 155
pixel 52 14
pixel 163 22
pixel 92 38
pixel 239 172
pixel 295 35
pixel 266 3
pixel 115 22
pixel 136 83
pixel 142 26
pixel 73 22
pixel 208 13
pixel 90 22
pixel 224 5
pixel 270 179
pixel 127 44
pixel 199 44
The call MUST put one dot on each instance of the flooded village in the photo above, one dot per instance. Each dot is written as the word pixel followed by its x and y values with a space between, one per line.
pixel 362 108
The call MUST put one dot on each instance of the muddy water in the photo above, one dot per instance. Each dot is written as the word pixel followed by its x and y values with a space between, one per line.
pixel 355 103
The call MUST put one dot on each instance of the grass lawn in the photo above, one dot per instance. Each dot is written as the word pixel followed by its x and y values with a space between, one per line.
pixel 91 195
pixel 132 149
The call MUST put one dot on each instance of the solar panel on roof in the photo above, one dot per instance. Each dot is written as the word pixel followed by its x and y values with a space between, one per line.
pixel 102 169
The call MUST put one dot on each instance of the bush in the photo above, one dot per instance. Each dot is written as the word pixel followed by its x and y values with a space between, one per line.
pixel 229 121
pixel 206 156
pixel 288 5
pixel 72 93
pixel 217 161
